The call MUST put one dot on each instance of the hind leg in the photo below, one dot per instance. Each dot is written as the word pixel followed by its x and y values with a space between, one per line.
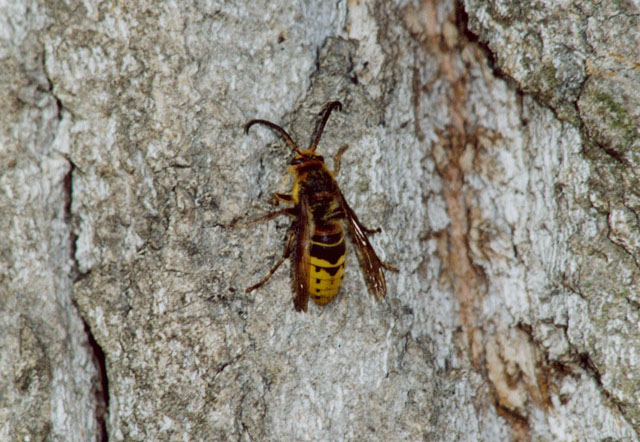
pixel 285 255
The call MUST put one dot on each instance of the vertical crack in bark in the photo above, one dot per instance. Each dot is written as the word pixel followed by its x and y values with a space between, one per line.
pixel 67 185
pixel 101 387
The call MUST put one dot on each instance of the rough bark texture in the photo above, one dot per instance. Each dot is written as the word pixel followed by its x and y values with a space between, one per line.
pixel 48 378
pixel 580 59
pixel 496 144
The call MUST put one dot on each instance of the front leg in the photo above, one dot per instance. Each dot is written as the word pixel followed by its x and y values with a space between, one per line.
pixel 289 211
pixel 337 159
pixel 277 197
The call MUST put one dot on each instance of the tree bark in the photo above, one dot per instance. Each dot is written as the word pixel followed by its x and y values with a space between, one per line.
pixel 494 143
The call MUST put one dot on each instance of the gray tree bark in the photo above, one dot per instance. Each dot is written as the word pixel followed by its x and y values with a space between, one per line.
pixel 495 143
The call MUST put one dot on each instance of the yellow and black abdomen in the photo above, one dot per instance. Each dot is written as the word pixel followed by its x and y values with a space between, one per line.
pixel 326 259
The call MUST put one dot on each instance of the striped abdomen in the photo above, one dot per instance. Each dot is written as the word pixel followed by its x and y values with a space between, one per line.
pixel 327 259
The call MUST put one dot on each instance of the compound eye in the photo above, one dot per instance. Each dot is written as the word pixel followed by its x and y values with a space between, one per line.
pixel 297 160
pixel 320 158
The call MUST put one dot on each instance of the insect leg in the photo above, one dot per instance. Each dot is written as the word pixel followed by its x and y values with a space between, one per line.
pixel 285 255
pixel 267 217
pixel 337 158
pixel 371 231
pixel 389 267
pixel 277 197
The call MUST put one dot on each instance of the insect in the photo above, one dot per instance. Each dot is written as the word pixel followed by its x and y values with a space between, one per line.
pixel 316 238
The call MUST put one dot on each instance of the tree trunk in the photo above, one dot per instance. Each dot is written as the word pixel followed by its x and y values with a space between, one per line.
pixel 495 144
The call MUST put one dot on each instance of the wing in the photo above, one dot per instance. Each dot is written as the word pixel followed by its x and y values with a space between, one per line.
pixel 300 267
pixel 370 264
